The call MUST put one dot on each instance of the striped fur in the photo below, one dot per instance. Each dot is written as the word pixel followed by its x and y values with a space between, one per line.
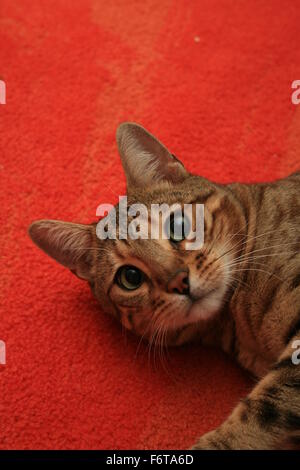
pixel 248 268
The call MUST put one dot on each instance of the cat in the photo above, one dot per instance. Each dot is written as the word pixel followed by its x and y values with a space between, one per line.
pixel 239 291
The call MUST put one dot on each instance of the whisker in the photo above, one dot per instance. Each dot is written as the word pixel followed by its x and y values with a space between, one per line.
pixel 240 261
pixel 259 270
pixel 249 238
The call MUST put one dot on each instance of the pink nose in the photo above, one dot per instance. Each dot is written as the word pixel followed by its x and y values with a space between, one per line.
pixel 179 283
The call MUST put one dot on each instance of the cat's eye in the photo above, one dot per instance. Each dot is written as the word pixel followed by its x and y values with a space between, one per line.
pixel 177 227
pixel 129 277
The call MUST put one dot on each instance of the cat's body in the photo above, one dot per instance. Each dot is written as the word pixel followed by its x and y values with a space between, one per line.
pixel 240 291
pixel 270 268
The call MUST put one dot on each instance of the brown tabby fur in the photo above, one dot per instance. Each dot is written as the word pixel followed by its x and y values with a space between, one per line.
pixel 249 267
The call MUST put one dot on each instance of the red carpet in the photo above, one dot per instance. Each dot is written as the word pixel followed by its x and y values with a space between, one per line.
pixel 212 79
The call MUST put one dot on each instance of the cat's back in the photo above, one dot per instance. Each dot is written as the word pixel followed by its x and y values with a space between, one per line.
pixel 269 204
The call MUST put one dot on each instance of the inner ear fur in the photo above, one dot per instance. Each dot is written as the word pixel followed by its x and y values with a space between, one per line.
pixel 70 244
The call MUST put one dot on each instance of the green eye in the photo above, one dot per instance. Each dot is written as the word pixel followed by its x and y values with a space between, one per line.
pixel 129 277
pixel 178 227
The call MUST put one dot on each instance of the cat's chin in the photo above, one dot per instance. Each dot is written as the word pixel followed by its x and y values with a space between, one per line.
pixel 204 309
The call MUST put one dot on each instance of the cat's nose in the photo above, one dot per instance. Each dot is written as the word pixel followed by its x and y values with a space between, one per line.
pixel 179 283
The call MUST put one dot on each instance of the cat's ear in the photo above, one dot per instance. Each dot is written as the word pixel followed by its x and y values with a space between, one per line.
pixel 69 244
pixel 145 159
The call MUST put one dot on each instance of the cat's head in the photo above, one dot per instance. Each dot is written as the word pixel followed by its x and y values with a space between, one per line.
pixel 153 283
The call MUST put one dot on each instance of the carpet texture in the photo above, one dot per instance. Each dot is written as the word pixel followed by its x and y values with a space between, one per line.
pixel 212 79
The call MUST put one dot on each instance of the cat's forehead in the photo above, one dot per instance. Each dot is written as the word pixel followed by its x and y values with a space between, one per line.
pixel 186 192
pixel 162 196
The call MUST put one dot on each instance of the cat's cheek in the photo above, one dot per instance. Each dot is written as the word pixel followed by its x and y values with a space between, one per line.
pixel 200 313
pixel 205 309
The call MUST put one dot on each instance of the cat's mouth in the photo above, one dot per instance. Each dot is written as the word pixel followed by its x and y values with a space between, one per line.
pixel 202 295
pixel 205 305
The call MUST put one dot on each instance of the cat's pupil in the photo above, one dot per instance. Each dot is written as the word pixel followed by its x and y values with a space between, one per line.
pixel 133 276
pixel 129 277
pixel 178 226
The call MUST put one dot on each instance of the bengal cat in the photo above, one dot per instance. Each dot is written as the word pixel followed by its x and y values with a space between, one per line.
pixel 240 290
